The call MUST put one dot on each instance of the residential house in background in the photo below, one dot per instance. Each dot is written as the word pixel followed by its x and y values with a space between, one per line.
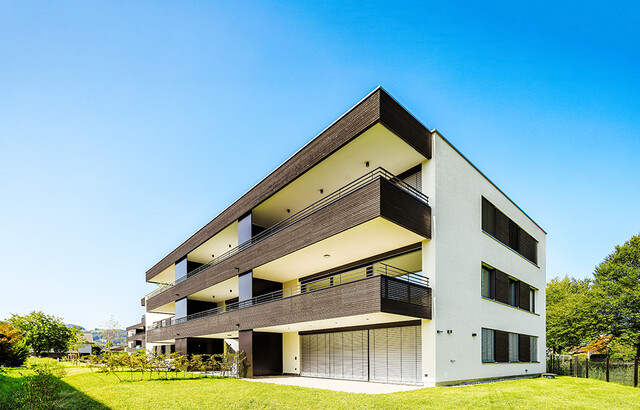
pixel 377 252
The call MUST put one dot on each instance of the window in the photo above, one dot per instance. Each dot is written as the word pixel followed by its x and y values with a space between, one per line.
pixel 533 348
pixel 413 177
pixel 513 292
pixel 513 348
pixel 498 225
pixel 487 282
pixel 487 345
pixel 505 347
pixel 499 286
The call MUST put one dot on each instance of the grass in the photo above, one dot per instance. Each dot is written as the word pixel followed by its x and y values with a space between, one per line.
pixel 86 390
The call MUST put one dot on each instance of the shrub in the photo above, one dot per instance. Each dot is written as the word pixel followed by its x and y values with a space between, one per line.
pixel 40 387
pixel 13 353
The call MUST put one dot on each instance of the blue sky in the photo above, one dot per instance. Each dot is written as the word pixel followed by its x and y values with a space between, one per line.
pixel 126 126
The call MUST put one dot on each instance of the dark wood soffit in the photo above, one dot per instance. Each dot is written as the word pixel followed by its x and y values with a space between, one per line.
pixel 376 107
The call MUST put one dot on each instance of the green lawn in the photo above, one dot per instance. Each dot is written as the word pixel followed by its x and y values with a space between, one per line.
pixel 85 390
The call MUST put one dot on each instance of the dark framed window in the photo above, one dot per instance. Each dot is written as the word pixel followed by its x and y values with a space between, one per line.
pixel 507 347
pixel 499 286
pixel 502 228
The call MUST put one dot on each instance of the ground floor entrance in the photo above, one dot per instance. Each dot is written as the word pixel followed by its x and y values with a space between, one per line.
pixel 384 354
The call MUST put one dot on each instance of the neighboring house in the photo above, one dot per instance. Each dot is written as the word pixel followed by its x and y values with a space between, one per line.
pixel 136 337
pixel 376 252
pixel 86 348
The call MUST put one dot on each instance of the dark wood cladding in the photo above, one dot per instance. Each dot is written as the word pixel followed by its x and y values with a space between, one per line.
pixel 354 209
pixel 375 108
pixel 350 299
pixel 401 122
pixel 405 210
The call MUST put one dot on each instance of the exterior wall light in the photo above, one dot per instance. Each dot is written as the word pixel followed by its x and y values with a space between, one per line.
pixel 321 191
pixel 327 256
pixel 366 164
pixel 449 331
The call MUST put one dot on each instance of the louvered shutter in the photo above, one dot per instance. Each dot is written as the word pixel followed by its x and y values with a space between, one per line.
pixel 501 352
pixel 525 348
pixel 525 296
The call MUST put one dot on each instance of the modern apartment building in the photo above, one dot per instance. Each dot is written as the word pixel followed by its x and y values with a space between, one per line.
pixel 377 252
pixel 136 338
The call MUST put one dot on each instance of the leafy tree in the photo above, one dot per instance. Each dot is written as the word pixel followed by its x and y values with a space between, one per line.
pixel 617 289
pixel 571 313
pixel 13 353
pixel 76 339
pixel 42 333
pixel 111 333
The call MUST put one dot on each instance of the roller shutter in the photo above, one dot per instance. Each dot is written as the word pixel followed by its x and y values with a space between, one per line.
pixel 391 355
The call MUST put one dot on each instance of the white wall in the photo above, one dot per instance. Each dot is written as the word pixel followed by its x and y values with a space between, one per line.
pixel 291 353
pixel 452 261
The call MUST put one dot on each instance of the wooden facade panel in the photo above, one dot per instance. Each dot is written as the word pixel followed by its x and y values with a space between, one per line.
pixel 377 107
pixel 397 206
pixel 401 122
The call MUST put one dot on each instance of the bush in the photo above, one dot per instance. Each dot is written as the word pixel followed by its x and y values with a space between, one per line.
pixel 40 386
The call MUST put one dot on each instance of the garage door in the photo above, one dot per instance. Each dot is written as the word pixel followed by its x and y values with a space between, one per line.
pixel 391 355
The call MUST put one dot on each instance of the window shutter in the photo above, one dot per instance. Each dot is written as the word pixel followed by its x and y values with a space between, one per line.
pixel 525 348
pixel 527 246
pixel 488 221
pixel 502 287
pixel 502 227
pixel 525 296
pixel 514 230
pixel 533 348
pixel 501 346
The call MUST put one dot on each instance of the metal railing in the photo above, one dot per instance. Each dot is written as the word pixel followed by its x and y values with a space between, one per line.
pixel 378 173
pixel 376 269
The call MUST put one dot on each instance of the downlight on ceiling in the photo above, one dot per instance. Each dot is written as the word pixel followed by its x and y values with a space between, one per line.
pixel 327 256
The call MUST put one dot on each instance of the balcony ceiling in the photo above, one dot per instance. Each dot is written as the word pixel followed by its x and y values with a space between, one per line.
pixel 166 276
pixel 227 289
pixel 169 309
pixel 379 146
pixel 220 243
pixel 359 320
pixel 370 238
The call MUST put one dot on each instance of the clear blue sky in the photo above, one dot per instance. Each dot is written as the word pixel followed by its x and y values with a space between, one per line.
pixel 122 124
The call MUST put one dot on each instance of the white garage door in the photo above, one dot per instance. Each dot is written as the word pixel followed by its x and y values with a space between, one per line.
pixel 389 355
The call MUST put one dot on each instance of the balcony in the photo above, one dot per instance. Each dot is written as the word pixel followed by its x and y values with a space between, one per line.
pixel 374 288
pixel 377 193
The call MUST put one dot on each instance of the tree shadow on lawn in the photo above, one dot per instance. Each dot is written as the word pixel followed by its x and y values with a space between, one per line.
pixel 69 398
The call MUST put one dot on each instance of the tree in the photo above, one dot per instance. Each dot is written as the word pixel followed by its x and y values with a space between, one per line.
pixel 42 333
pixel 111 333
pixel 572 317
pixel 617 289
pixel 13 353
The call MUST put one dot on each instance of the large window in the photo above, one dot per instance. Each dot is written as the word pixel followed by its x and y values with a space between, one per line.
pixel 507 347
pixel 499 286
pixel 498 225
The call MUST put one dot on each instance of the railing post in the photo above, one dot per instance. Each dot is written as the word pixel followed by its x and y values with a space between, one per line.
pixel 586 368
pixel 607 371
pixel 575 366
pixel 635 372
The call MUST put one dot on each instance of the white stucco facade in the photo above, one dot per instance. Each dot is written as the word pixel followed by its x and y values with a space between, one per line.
pixel 453 259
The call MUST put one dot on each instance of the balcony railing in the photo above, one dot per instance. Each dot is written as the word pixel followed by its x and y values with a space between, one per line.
pixel 378 173
pixel 377 269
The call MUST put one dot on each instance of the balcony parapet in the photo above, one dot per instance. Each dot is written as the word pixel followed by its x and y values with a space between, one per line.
pixel 398 286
